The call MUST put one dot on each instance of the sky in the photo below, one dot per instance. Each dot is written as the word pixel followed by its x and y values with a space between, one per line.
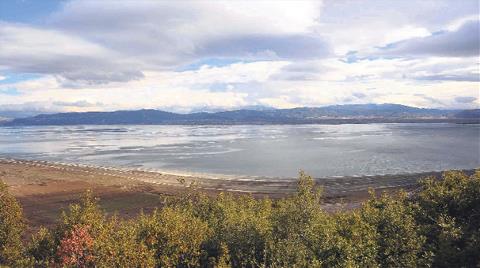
pixel 184 56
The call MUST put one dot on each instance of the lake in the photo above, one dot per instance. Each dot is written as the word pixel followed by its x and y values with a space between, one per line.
pixel 254 150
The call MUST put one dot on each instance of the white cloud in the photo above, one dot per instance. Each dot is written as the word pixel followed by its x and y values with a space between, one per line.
pixel 403 33
pixel 27 49
pixel 456 24
pixel 100 55
pixel 164 34
pixel 360 25
pixel 461 42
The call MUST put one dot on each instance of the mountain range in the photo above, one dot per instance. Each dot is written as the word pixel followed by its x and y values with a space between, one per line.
pixel 336 114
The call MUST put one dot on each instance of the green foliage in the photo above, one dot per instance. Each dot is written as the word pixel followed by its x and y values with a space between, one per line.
pixel 86 214
pixel 399 241
pixel 11 228
pixel 306 236
pixel 175 235
pixel 117 246
pixel 294 223
pixel 42 248
pixel 85 237
pixel 439 226
pixel 242 225
pixel 349 241
pixel 449 213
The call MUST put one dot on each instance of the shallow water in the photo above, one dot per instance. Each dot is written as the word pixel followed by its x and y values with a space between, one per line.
pixel 266 150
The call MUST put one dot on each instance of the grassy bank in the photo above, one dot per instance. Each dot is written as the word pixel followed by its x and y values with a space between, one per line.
pixel 437 226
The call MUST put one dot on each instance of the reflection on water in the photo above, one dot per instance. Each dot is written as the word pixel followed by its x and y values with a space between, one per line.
pixel 268 150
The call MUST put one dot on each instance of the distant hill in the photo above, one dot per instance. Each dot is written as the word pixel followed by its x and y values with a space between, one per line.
pixel 337 114
pixel 475 113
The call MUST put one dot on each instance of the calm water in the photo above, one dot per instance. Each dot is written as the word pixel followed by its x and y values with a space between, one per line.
pixel 277 151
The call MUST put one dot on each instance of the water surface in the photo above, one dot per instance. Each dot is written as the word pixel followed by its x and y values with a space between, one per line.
pixel 267 150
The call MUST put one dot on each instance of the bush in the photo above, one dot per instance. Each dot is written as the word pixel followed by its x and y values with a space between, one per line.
pixel 118 246
pixel 42 248
pixel 242 225
pixel 294 222
pixel 306 236
pixel 399 241
pixel 85 238
pixel 349 241
pixel 449 213
pixel 11 228
pixel 175 235
pixel 439 226
pixel 87 214
pixel 76 248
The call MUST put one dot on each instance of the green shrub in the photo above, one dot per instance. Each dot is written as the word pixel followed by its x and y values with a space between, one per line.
pixel 85 237
pixel 347 240
pixel 294 222
pixel 439 226
pixel 87 213
pixel 117 245
pixel 11 228
pixel 243 225
pixel 306 236
pixel 399 241
pixel 175 235
pixel 449 213
pixel 42 248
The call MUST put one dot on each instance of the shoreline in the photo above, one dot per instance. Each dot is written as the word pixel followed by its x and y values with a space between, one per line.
pixel 329 120
pixel 46 188
pixel 219 182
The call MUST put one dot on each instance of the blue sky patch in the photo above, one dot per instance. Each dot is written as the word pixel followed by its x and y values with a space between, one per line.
pixel 27 10
pixel 10 91
pixel 213 62
pixel 15 78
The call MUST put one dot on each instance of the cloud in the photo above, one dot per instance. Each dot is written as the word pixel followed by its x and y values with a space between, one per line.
pixel 447 77
pixel 461 42
pixel 465 99
pixel 26 49
pixel 352 25
pixel 267 46
pixel 439 69
pixel 304 70
pixel 105 55
pixel 359 95
pixel 81 103
pixel 97 42
pixel 430 99
pixel 163 34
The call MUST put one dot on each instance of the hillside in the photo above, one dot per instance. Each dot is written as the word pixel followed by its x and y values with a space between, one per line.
pixel 337 114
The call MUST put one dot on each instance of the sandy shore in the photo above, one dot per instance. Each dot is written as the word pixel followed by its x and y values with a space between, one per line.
pixel 45 188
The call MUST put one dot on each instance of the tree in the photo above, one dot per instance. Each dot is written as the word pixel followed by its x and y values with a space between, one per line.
pixel 43 248
pixel 399 241
pixel 11 228
pixel 243 225
pixel 175 235
pixel 294 220
pixel 449 213
pixel 117 245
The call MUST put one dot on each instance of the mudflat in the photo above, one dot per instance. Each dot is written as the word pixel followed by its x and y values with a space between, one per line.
pixel 45 189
